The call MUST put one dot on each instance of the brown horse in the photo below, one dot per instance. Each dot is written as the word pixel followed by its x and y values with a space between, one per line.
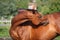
pixel 42 32
pixel 49 31
pixel 22 23
pixel 26 30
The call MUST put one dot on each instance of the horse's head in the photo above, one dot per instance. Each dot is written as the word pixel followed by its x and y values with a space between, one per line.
pixel 27 15
pixel 34 16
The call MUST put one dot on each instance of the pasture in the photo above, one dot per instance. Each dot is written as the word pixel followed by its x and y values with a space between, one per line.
pixel 4 29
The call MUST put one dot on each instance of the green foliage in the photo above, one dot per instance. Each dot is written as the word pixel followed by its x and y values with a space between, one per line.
pixel 48 6
pixel 57 38
pixel 4 31
pixel 10 7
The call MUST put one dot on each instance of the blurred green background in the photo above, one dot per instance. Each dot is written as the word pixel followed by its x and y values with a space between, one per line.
pixel 9 8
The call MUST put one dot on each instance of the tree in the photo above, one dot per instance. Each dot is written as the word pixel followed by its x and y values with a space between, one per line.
pixel 48 6
pixel 10 7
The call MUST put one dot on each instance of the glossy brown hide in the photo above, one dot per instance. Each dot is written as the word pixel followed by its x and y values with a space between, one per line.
pixel 46 32
pixel 49 31
pixel 39 32
pixel 26 15
pixel 17 31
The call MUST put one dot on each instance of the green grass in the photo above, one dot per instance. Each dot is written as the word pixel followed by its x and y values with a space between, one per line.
pixel 57 38
pixel 4 31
